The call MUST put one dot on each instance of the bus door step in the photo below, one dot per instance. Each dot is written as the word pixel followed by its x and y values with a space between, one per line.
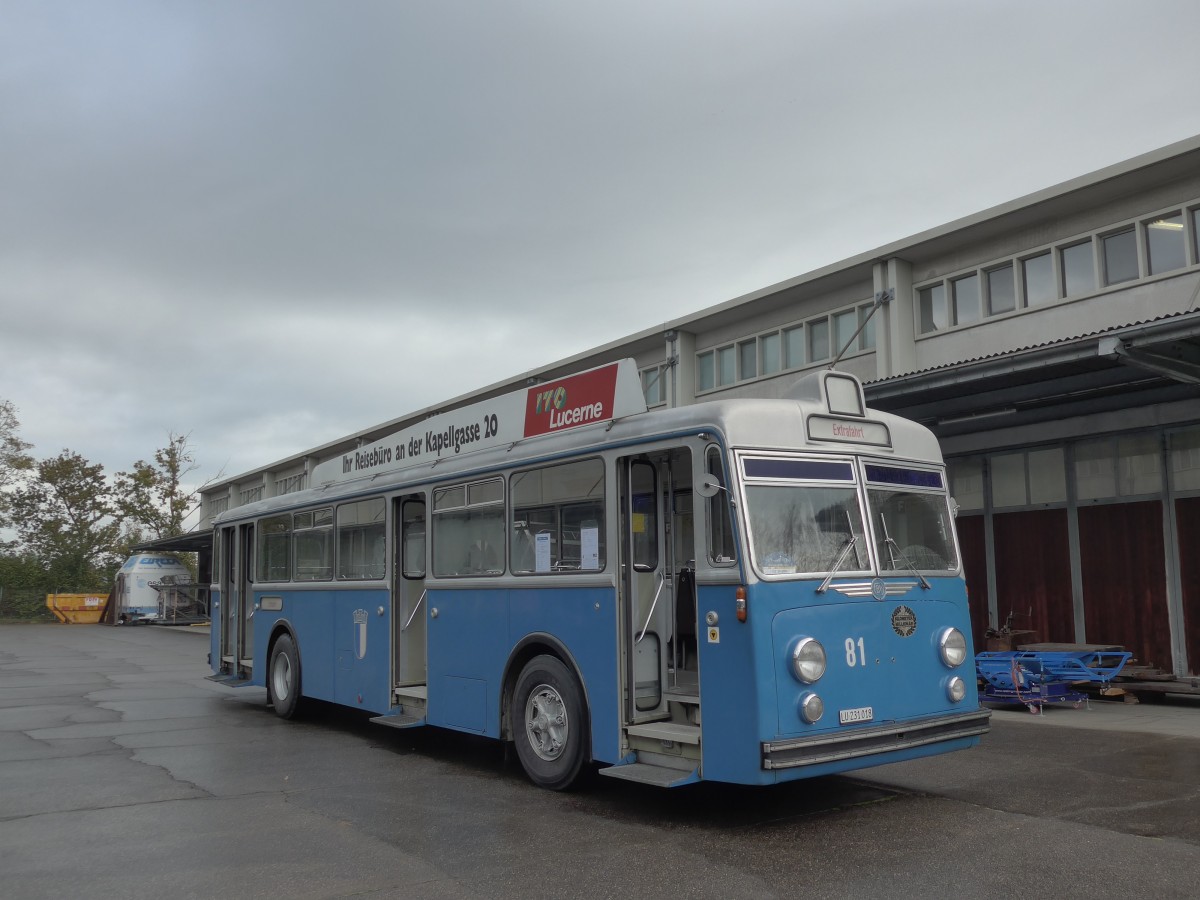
pixel 399 720
pixel 667 731
pixel 229 680
pixel 645 773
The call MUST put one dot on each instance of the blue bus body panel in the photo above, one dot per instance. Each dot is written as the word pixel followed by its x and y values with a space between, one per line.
pixel 732 706
pixel 873 660
pixel 749 693
pixel 475 631
pixel 343 639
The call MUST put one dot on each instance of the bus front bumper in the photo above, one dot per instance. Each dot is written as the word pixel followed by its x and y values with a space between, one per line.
pixel 870 741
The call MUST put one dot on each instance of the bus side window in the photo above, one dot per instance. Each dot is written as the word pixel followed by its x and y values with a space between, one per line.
pixel 468 529
pixel 360 538
pixel 722 549
pixel 413 516
pixel 557 523
pixel 644 514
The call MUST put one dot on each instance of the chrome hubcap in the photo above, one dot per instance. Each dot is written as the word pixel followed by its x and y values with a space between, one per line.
pixel 281 683
pixel 546 722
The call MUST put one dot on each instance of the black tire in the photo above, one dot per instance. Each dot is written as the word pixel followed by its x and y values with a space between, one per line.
pixel 550 726
pixel 283 677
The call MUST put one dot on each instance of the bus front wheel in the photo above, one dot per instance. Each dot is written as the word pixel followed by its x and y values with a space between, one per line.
pixel 549 723
pixel 283 678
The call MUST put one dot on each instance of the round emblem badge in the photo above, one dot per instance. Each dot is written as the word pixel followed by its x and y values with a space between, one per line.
pixel 878 589
pixel 904 621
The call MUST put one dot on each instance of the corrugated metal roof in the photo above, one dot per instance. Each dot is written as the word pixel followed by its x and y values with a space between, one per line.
pixel 1030 348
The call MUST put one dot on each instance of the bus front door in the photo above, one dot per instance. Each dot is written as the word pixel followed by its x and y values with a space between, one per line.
pixel 409 602
pixel 647 585
pixel 237 622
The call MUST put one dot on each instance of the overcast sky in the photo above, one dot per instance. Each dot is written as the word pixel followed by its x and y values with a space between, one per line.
pixel 270 224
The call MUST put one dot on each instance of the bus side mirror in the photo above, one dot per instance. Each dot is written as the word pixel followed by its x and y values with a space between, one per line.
pixel 709 486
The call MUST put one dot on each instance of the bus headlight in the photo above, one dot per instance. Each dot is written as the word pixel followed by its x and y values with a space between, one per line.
pixel 808 660
pixel 952 646
pixel 956 689
pixel 812 707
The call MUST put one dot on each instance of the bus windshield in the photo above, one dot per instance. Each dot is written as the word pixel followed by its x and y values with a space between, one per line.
pixel 805 528
pixel 912 530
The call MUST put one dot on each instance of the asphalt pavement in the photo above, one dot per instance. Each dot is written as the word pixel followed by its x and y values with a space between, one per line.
pixel 125 773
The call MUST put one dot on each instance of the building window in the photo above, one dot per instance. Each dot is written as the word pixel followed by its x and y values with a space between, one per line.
pixel 1139 465
pixel 769 350
pixel 966 483
pixel 290 484
pixel 1196 232
pixel 1185 459
pixel 1038 279
pixel 775 351
pixel 1047 476
pixel 1095 470
pixel 818 340
pixel 250 495
pixel 866 338
pixel 1067 270
pixel 1164 244
pixel 1008 480
pixel 844 326
pixel 706 373
pixel 793 347
pixel 1120 256
pixel 1001 291
pixel 966 300
pixel 654 385
pixel 932 302
pixel 747 352
pixel 1078 269
pixel 726 366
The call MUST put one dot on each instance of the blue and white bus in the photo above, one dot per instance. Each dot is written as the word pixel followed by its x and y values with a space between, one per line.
pixel 746 591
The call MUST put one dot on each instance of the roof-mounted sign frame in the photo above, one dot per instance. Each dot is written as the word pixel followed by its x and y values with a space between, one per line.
pixel 595 396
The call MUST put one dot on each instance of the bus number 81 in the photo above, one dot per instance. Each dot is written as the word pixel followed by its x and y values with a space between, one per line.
pixel 856 652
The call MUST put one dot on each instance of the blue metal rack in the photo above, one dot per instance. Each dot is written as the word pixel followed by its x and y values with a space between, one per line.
pixel 1037 677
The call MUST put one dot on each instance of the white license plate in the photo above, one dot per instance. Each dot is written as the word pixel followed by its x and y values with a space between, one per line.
pixel 862 714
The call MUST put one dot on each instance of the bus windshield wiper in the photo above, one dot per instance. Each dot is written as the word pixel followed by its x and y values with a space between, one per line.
pixel 837 565
pixel 894 551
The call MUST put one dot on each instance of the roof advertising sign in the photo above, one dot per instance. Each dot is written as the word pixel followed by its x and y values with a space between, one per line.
pixel 597 395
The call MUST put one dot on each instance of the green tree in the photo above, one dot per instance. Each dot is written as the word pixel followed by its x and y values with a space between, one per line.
pixel 23 588
pixel 67 518
pixel 152 498
pixel 13 460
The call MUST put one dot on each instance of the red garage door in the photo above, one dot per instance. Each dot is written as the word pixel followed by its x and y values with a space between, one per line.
pixel 1033 573
pixel 1122 553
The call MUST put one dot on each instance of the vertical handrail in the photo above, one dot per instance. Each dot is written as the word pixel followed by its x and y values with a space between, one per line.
pixel 661 583
pixel 413 615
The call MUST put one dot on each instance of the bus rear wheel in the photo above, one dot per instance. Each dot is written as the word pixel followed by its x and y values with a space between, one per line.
pixel 549 723
pixel 283 677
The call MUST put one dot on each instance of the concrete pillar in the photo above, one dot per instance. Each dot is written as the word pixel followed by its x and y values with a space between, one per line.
pixel 899 330
pixel 681 374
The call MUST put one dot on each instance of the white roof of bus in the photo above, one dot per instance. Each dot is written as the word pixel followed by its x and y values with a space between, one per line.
pixel 742 423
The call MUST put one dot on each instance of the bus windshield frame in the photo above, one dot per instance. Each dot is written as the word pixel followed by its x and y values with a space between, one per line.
pixel 804 516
